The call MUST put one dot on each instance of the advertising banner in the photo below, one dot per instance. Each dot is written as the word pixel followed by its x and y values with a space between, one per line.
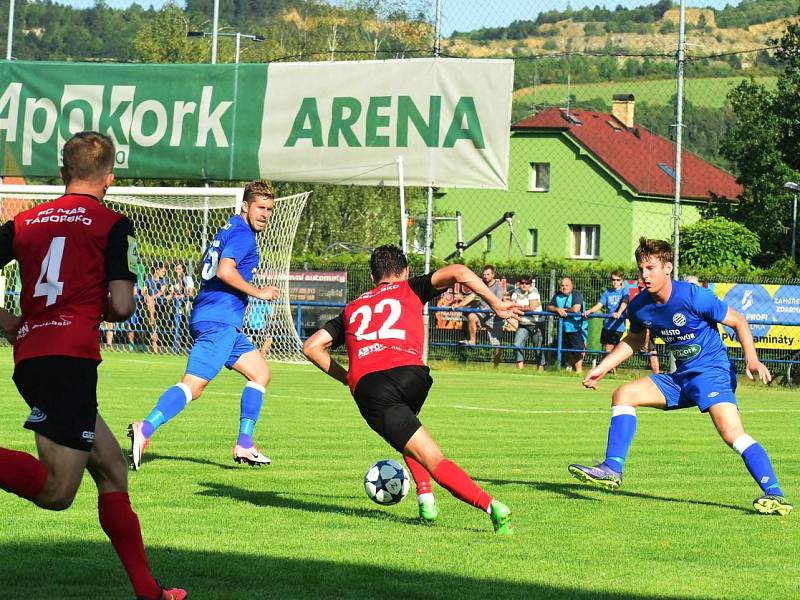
pixel 771 304
pixel 325 122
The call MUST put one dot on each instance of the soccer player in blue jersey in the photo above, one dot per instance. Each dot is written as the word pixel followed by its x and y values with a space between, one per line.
pixel 685 316
pixel 216 327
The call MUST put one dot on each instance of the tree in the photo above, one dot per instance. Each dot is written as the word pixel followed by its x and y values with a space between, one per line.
pixel 717 243
pixel 764 147
pixel 163 39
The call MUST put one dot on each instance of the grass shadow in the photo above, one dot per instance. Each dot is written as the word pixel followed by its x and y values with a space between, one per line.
pixel 577 491
pixel 274 499
pixel 82 569
pixel 151 456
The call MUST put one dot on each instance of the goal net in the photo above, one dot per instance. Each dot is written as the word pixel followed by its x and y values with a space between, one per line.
pixel 173 227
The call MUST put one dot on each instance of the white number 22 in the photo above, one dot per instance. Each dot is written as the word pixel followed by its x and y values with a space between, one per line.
pixel 48 284
pixel 385 331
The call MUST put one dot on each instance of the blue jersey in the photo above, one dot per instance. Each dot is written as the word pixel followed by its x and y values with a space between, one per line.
pixel 217 301
pixel 612 299
pixel 687 323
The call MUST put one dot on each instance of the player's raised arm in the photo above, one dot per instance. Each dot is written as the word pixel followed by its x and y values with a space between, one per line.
pixel 452 274
pixel 744 334
pixel 629 346
pixel 229 274
pixel 316 350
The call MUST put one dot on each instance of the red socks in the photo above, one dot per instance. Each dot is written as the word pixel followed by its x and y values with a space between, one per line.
pixel 453 478
pixel 21 474
pixel 420 474
pixel 122 527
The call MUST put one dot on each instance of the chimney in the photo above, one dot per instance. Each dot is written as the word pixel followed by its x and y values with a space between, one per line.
pixel 622 107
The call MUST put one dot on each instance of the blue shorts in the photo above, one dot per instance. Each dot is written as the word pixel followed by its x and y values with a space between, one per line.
pixel 215 345
pixel 703 390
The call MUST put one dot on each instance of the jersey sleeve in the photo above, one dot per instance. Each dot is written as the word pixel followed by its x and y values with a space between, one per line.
pixel 422 286
pixel 6 243
pixel 604 300
pixel 708 305
pixel 577 298
pixel 238 246
pixel 121 256
pixel 336 328
pixel 636 324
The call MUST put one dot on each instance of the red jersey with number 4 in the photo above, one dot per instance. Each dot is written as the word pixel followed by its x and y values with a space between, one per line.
pixel 61 247
pixel 383 330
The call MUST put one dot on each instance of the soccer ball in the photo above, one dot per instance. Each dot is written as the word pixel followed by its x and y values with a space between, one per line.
pixel 386 482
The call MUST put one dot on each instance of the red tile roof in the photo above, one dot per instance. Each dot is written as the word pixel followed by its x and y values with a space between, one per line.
pixel 634 155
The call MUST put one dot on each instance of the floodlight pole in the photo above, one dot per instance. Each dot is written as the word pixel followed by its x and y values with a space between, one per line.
pixel 795 187
pixel 679 138
pixel 10 38
pixel 214 32
pixel 401 184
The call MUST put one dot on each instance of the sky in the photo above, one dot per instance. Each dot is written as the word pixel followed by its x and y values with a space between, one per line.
pixel 466 15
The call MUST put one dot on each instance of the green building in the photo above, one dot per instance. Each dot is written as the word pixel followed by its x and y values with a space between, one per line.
pixel 583 185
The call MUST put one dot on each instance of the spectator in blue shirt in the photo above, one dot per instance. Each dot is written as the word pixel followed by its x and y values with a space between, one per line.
pixel 613 301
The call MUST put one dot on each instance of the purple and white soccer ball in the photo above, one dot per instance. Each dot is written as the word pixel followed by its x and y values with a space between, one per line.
pixel 386 482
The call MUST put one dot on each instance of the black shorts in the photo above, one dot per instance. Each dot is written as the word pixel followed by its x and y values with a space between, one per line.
pixel 62 394
pixel 609 337
pixel 390 401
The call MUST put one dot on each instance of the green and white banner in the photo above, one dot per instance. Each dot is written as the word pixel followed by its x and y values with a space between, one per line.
pixel 327 122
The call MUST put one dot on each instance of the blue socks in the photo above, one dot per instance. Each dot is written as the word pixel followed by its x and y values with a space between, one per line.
pixel 171 402
pixel 758 463
pixel 252 399
pixel 620 436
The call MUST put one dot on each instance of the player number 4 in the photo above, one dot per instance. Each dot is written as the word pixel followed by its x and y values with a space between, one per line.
pixel 386 331
pixel 48 284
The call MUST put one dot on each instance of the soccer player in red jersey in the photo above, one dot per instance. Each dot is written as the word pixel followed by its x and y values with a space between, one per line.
pixel 384 334
pixel 77 262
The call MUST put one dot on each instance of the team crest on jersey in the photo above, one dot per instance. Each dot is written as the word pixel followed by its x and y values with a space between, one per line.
pixel 133 255
pixel 679 319
pixel 36 416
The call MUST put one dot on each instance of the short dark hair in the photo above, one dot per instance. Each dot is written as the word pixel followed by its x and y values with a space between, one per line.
pixel 658 249
pixel 87 156
pixel 386 261
pixel 261 188
pixel 617 273
pixel 524 279
pixel 489 267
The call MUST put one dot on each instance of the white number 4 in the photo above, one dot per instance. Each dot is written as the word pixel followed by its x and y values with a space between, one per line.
pixel 386 331
pixel 48 283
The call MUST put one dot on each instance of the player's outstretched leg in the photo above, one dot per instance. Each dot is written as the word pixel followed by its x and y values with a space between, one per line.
pixel 171 402
pixel 21 474
pixel 760 467
pixel 608 474
pixel 245 450
pixel 728 421
pixel 428 512
pixel 455 480
pixel 117 518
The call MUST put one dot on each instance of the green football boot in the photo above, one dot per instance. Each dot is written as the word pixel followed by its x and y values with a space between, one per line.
pixel 428 512
pixel 772 505
pixel 501 518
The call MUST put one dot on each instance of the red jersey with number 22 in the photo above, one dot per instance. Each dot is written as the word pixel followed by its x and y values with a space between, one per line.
pixel 383 330
pixel 61 249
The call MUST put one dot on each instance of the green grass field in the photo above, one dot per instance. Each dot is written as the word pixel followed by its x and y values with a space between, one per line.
pixel 682 525
pixel 710 92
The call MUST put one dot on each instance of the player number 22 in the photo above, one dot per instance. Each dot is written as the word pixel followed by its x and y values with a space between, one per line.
pixel 385 332
pixel 48 284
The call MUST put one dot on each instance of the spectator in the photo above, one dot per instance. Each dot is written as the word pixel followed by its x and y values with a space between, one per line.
pixel 447 319
pixel 181 292
pixel 615 302
pixel 494 326
pixel 568 304
pixel 528 327
pixel 155 289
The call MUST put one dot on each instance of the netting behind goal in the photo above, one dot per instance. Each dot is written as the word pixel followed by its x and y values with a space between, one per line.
pixel 173 227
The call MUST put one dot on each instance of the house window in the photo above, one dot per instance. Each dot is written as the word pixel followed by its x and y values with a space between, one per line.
pixel 540 177
pixel 533 239
pixel 585 242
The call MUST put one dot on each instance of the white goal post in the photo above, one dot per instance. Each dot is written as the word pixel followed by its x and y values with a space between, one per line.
pixel 173 227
